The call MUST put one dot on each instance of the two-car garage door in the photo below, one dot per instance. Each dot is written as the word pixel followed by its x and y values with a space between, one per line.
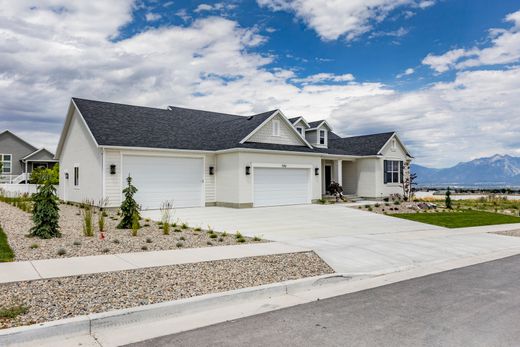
pixel 280 186
pixel 160 178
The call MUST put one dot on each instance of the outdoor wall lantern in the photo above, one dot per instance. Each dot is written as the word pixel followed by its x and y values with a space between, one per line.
pixel 317 171
pixel 211 170
pixel 66 175
pixel 112 169
pixel 248 170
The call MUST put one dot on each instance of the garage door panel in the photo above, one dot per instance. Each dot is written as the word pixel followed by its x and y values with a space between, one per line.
pixel 280 186
pixel 165 178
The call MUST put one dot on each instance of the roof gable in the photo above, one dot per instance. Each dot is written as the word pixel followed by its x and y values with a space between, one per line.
pixel 289 134
pixel 313 126
pixel 8 134
pixel 40 154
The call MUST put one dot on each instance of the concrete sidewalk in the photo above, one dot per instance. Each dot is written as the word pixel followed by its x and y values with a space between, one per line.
pixel 62 267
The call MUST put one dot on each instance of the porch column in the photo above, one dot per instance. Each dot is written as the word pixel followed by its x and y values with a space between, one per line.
pixel 339 173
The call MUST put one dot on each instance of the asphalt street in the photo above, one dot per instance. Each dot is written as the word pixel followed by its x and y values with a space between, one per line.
pixel 474 306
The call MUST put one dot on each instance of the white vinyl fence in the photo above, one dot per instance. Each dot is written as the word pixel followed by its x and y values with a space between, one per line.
pixel 14 190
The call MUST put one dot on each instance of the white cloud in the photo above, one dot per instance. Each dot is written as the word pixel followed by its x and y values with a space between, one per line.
pixel 395 33
pixel 504 49
pixel 324 77
pixel 335 19
pixel 406 72
pixel 150 17
pixel 215 7
pixel 475 115
pixel 61 50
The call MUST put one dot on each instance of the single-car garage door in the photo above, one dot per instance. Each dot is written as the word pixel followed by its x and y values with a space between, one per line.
pixel 280 186
pixel 159 179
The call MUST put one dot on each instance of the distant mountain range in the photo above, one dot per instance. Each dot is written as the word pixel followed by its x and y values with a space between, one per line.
pixel 495 171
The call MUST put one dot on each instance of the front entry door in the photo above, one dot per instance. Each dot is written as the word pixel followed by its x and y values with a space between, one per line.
pixel 328 177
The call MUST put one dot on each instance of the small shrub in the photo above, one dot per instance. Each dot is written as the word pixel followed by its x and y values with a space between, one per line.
pixel 238 235
pixel 174 225
pixel 359 208
pixel 62 251
pixel 104 214
pixel 386 199
pixel 397 202
pixel 34 246
pixel 135 224
pixel 224 234
pixel 45 213
pixel 370 209
pixel 322 201
pixel 241 240
pixel 144 248
pixel 220 239
pixel 166 216
pixel 13 312
pixel 129 207
pixel 257 238
pixel 209 243
pixel 213 236
pixel 86 212
pixel 147 220
pixel 377 205
pixel 367 206
pixel 101 222
pixel 182 238
pixel 105 250
pixel 179 244
pixel 77 243
pixel 148 240
pixel 146 225
pixel 184 226
pixel 178 230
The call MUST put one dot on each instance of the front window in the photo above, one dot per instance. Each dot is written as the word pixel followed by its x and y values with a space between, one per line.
pixel 7 162
pixel 322 137
pixel 76 176
pixel 393 171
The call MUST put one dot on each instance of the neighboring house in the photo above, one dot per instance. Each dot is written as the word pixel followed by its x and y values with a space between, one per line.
pixel 19 158
pixel 201 158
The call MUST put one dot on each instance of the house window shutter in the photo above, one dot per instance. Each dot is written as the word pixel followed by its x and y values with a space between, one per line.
pixel 385 171
pixel 401 171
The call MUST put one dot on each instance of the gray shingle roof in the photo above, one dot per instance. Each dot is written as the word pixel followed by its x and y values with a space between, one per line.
pixel 114 124
pixel 360 145
pixel 293 119
pixel 181 128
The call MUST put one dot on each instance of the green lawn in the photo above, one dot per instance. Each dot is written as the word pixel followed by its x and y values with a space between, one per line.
pixel 459 219
pixel 6 253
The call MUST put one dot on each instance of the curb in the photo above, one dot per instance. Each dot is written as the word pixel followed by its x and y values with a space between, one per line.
pixel 89 324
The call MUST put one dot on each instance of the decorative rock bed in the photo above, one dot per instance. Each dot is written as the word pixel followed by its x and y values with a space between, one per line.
pixel 17 224
pixel 65 297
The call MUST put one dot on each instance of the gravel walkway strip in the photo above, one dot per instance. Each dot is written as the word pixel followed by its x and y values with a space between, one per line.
pixel 66 297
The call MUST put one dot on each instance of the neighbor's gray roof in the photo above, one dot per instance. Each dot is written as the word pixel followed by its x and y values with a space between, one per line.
pixel 114 124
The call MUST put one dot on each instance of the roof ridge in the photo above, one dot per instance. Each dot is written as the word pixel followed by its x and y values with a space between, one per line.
pixel 367 135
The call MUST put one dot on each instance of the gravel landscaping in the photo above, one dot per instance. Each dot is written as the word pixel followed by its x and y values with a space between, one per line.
pixel 46 300
pixel 16 224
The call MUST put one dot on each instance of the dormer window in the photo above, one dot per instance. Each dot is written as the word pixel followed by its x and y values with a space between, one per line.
pixel 276 127
pixel 300 130
pixel 322 137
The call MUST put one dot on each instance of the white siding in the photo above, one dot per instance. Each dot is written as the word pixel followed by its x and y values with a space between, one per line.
pixel 210 180
pixel 367 177
pixel 389 153
pixel 311 138
pixel 228 171
pixel 350 177
pixel 287 135
pixel 113 191
pixel 79 148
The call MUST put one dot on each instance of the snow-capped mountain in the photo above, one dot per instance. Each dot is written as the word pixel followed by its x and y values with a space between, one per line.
pixel 498 170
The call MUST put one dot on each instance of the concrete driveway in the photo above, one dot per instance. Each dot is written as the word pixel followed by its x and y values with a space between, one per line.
pixel 351 240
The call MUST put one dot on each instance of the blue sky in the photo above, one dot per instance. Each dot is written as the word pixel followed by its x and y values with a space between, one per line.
pixel 443 73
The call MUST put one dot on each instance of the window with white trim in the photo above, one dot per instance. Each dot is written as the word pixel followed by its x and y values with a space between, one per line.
pixel 393 171
pixel 7 163
pixel 76 176
pixel 323 137
pixel 300 130
pixel 276 127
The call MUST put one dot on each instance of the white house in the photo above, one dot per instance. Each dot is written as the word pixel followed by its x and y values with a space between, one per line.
pixel 201 158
